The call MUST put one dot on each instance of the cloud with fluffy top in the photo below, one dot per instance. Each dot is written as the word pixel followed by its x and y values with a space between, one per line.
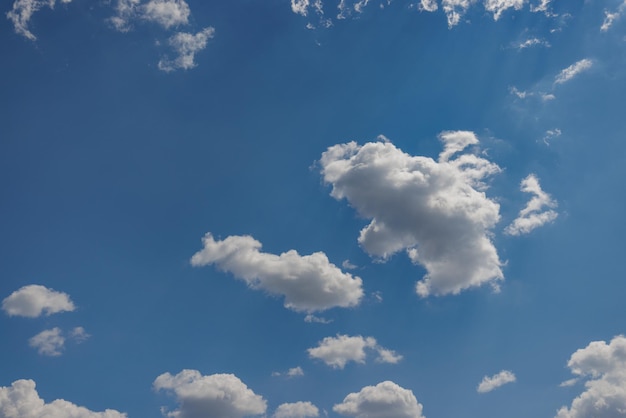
pixel 604 367
pixel 534 214
pixel 35 300
pixel 186 46
pixel 309 283
pixel 573 70
pixel 21 400
pixel 22 12
pixel 217 395
pixel 490 383
pixel 166 13
pixel 436 210
pixel 337 351
pixel 385 400
pixel 296 410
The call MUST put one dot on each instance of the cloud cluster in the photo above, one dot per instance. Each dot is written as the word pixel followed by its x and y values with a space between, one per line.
pixel 296 410
pixel 604 365
pixel 309 283
pixel 435 210
pixel 534 213
pixel 51 342
pixel 337 351
pixel 22 12
pixel 217 395
pixel 385 400
pixel 499 379
pixel 21 400
pixel 573 70
pixel 34 300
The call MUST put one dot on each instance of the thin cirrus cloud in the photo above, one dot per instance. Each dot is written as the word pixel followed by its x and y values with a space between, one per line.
pixel 296 410
pixel 385 400
pixel 490 383
pixel 23 11
pixel 22 400
pixel 536 213
pixel 309 283
pixel 51 342
pixel 436 210
pixel 604 367
pixel 337 351
pixel 35 300
pixel 217 395
pixel 573 70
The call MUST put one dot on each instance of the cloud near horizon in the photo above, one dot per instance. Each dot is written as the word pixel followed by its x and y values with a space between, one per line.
pixel 309 283
pixel 435 210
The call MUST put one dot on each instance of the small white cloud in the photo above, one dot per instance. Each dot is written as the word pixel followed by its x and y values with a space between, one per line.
pixel 499 6
pixel 126 11
pixel 385 400
pixel 428 5
pixel 296 410
pixel 34 300
pixel 550 135
pixel 79 335
pixel 309 283
pixel 350 7
pixel 310 318
pixel 49 342
pixel 611 17
pixel 300 7
pixel 455 10
pixel 218 395
pixel 604 367
pixel 547 96
pixel 573 70
pixel 490 383
pixel 530 42
pixel 336 352
pixel 21 400
pixel 519 93
pixel 291 373
pixel 569 382
pixel 437 211
pixel 166 13
pixel 348 265
pixel 22 12
pixel 186 45
pixel 533 215
pixel 542 7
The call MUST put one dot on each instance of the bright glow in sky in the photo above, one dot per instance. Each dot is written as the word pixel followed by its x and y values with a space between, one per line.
pixel 312 208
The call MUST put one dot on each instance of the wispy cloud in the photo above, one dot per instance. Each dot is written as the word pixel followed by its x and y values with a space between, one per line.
pixel 186 46
pixel 22 12
pixel 490 383
pixel 573 70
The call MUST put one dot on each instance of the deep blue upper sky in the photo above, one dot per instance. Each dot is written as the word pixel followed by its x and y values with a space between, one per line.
pixel 118 154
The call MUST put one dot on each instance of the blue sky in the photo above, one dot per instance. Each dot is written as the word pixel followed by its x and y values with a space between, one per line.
pixel 292 208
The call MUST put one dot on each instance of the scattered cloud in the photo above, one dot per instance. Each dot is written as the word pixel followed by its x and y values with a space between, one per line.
pixel 166 13
pixel 22 12
pixel 186 45
pixel 550 135
pixel 310 318
pixel 569 382
pixel 22 400
pixel 34 300
pixel 293 372
pixel 455 10
pixel 497 7
pixel 296 410
pixel 428 5
pixel 611 17
pixel 79 335
pixel 542 7
pixel 336 352
pixel 573 70
pixel 435 210
pixel 604 367
pixel 490 383
pixel 350 7
pixel 348 265
pixel 384 400
pixel 530 42
pixel 217 395
pixel 49 342
pixel 309 283
pixel 534 214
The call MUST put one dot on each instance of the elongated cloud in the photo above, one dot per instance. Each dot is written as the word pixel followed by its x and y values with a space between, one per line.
pixel 186 46
pixel 337 351
pixel 573 70
pixel 34 300
pixel 437 211
pixel 296 410
pixel 385 400
pixel 217 395
pixel 309 283
pixel 22 12
pixel 21 400
pixel 490 383
pixel 534 213
pixel 604 368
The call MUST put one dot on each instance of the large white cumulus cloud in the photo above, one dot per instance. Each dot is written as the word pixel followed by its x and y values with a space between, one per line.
pixel 435 210
pixel 216 396
pixel 605 391
pixel 385 400
pixel 309 283
pixel 21 400
pixel 34 300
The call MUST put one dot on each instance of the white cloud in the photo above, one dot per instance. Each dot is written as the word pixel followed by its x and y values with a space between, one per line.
pixel 79 335
pixel 22 12
pixel 533 215
pixel 490 383
pixel 385 400
pixel 336 352
pixel 349 7
pixel 291 373
pixel 569 382
pixel 309 283
pixel 550 135
pixel 541 7
pixel 167 13
pixel 455 10
pixel 604 365
pixel 573 70
pixel 186 46
pixel 530 42
pixel 499 6
pixel 611 17
pixel 310 318
pixel 428 5
pixel 300 7
pixel 218 395
pixel 436 210
pixel 21 400
pixel 296 410
pixel 126 11
pixel 49 342
pixel 34 300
